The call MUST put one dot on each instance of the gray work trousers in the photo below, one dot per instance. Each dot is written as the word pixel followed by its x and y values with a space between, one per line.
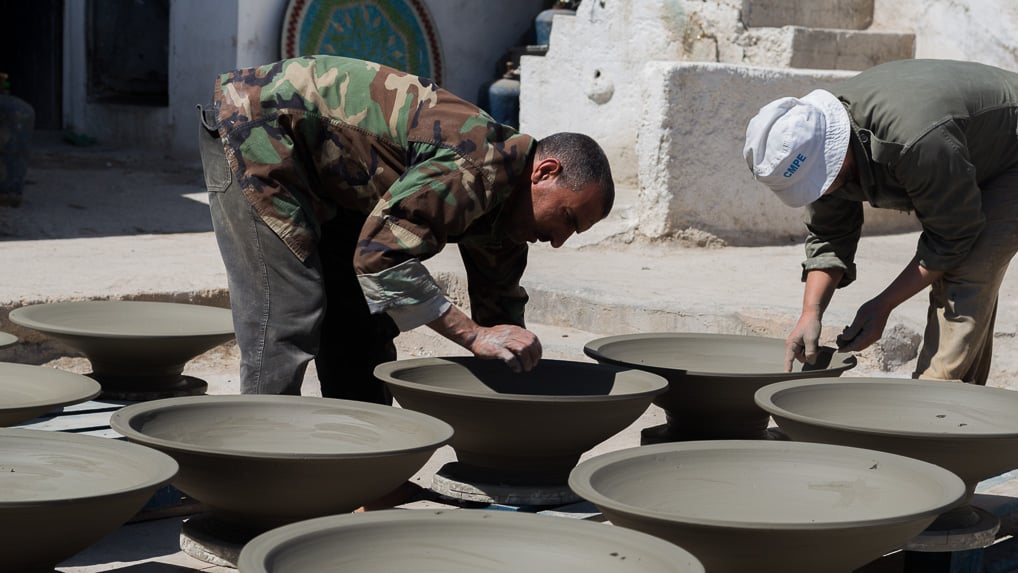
pixel 287 312
pixel 958 343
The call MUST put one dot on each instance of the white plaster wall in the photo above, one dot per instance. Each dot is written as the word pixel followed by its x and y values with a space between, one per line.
pixel 589 80
pixel 259 27
pixel 977 30
pixel 203 42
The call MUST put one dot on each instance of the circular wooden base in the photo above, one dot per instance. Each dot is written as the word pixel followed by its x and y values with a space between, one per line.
pixel 667 433
pixel 188 386
pixel 454 481
pixel 213 541
pixel 964 528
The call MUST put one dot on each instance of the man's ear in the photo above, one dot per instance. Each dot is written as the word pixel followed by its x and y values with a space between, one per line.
pixel 545 168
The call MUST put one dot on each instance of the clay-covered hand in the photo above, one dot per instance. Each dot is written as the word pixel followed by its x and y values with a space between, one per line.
pixel 517 347
pixel 866 328
pixel 803 343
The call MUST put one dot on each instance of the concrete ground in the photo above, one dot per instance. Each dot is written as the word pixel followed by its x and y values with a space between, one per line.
pixel 101 222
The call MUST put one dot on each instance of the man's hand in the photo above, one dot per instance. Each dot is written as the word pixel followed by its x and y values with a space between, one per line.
pixel 517 347
pixel 803 343
pixel 867 328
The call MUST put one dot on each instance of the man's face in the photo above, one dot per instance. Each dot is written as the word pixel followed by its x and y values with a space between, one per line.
pixel 557 212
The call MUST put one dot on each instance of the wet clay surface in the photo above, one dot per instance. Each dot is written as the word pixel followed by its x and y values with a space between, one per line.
pixel 528 427
pixel 970 430
pixel 60 492
pixel 261 461
pixel 28 391
pixel 460 542
pixel 790 507
pixel 712 377
pixel 131 345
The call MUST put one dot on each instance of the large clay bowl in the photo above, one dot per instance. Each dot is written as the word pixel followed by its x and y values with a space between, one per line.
pixel 61 492
pixel 260 461
pixel 527 427
pixel 968 429
pixel 466 541
pixel 769 506
pixel 712 377
pixel 28 391
pixel 7 339
pixel 132 345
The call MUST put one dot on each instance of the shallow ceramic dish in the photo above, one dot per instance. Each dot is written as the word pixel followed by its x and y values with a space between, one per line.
pixel 531 426
pixel 712 377
pixel 260 461
pixel 459 542
pixel 968 429
pixel 61 492
pixel 769 506
pixel 28 391
pixel 7 339
pixel 132 345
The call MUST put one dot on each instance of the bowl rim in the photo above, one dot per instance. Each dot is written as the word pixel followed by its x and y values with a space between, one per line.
pixel 7 339
pixel 595 349
pixel 386 372
pixel 164 466
pixel 256 552
pixel 23 316
pixel 120 421
pixel 765 396
pixel 89 388
pixel 579 481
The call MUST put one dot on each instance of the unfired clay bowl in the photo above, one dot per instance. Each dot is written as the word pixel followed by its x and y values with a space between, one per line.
pixel 712 378
pixel 28 391
pixel 7 339
pixel 769 506
pixel 132 345
pixel 261 461
pixel 523 428
pixel 61 492
pixel 463 541
pixel 968 429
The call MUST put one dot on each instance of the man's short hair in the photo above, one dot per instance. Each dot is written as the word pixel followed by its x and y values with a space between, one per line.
pixel 583 162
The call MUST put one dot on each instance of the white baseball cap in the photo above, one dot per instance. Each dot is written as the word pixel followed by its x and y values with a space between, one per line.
pixel 796 146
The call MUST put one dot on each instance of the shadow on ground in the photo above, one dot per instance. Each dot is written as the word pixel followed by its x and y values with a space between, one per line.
pixel 78 192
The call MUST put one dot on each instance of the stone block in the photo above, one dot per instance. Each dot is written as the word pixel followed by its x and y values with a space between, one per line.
pixel 847 50
pixel 844 14
pixel 691 169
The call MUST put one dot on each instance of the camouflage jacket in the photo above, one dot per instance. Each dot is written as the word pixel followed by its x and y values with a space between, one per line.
pixel 308 137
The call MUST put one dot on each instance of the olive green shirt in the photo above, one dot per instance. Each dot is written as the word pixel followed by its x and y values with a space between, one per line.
pixel 927 134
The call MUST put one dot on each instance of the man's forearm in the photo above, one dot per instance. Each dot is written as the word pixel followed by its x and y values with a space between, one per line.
pixel 820 287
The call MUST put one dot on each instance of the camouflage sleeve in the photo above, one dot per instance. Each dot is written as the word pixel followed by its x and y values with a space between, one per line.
pixel 438 197
pixel 407 292
pixel 494 269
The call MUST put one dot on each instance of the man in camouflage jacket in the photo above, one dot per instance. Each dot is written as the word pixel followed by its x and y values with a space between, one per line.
pixel 330 179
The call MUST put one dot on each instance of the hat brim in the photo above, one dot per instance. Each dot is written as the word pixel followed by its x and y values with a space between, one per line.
pixel 837 130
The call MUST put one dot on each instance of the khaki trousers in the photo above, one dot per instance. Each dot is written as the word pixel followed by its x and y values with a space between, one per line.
pixel 958 343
